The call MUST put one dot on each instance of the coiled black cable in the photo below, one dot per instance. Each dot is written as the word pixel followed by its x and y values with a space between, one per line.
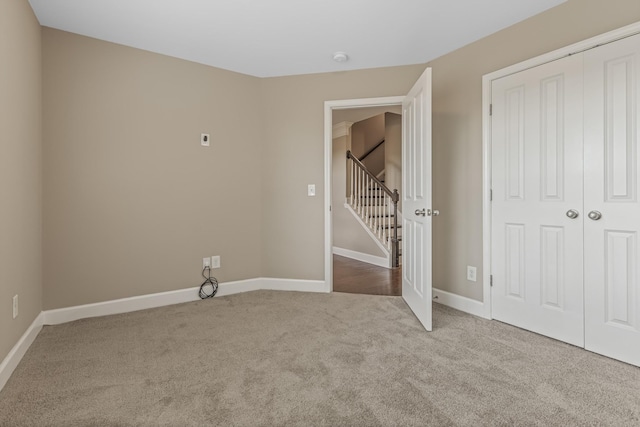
pixel 208 281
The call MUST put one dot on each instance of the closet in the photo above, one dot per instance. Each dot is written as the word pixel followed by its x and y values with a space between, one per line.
pixel 565 209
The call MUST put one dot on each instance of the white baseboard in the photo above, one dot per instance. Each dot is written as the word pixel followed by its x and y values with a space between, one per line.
pixel 461 303
pixel 294 285
pixel 126 305
pixel 359 256
pixel 14 357
pixel 237 287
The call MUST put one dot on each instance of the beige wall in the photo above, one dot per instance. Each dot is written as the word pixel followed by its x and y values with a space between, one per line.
pixel 393 153
pixel 132 201
pixel 293 223
pixel 365 135
pixel 354 115
pixel 20 170
pixel 457 123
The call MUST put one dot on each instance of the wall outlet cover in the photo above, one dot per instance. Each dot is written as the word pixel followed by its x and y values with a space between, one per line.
pixel 215 261
pixel 206 262
pixel 15 306
pixel 471 273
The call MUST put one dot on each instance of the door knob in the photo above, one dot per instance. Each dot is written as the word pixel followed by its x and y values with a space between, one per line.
pixel 595 215
pixel 419 212
pixel 572 213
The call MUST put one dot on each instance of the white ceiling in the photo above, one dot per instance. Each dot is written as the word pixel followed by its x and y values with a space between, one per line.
pixel 268 38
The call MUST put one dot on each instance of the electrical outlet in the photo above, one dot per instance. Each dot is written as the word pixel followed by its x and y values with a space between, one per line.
pixel 15 306
pixel 206 262
pixel 471 273
pixel 215 261
pixel 204 139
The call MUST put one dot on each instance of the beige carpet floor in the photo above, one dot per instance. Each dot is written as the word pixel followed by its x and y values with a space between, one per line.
pixel 296 359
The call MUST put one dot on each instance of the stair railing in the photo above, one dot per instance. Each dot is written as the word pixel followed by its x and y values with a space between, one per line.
pixel 374 148
pixel 376 205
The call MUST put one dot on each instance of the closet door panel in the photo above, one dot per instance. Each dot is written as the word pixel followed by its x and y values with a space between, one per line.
pixel 537 179
pixel 612 258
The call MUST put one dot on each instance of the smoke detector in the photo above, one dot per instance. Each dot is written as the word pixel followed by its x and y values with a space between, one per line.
pixel 340 57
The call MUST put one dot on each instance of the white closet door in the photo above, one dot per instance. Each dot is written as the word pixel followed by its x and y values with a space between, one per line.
pixel 612 155
pixel 537 178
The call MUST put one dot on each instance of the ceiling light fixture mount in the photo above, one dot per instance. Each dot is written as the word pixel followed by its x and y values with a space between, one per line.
pixel 340 57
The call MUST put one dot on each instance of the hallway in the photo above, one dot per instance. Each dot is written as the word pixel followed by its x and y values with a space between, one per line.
pixel 358 277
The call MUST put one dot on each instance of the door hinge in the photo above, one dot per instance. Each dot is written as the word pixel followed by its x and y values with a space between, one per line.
pixel 491 109
pixel 491 280
pixel 491 195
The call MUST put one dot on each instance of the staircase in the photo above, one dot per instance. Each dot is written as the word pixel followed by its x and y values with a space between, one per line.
pixel 375 205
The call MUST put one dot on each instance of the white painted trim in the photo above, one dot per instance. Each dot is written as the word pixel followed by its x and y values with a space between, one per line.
pixel 142 302
pixel 486 196
pixel 359 256
pixel 461 303
pixel 18 351
pixel 294 285
pixel 590 43
pixel 341 129
pixel 329 106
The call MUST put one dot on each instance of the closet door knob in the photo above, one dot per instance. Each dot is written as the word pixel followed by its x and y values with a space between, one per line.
pixel 572 213
pixel 595 215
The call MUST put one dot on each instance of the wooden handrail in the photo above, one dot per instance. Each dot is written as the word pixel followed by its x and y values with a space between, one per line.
pixel 371 151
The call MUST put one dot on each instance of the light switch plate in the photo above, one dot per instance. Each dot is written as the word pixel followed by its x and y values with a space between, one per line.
pixel 311 190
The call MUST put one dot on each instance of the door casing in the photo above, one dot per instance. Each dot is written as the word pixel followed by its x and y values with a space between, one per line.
pixel 329 106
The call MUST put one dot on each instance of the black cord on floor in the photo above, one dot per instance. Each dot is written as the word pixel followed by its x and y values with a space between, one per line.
pixel 209 281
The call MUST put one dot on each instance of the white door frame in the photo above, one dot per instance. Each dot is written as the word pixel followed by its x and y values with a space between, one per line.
pixel 329 106
pixel 609 37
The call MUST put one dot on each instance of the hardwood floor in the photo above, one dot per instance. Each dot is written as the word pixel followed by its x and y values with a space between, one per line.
pixel 357 277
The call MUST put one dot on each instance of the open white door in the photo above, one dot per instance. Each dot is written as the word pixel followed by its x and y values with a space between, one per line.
pixel 416 199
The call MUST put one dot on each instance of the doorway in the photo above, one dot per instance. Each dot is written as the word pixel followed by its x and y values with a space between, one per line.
pixel 365 225
pixel 417 287
pixel 329 108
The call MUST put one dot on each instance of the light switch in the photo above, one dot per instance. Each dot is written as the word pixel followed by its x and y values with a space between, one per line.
pixel 311 190
pixel 204 139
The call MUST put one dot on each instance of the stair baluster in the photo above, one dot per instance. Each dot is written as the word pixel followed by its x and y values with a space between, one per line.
pixel 376 205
